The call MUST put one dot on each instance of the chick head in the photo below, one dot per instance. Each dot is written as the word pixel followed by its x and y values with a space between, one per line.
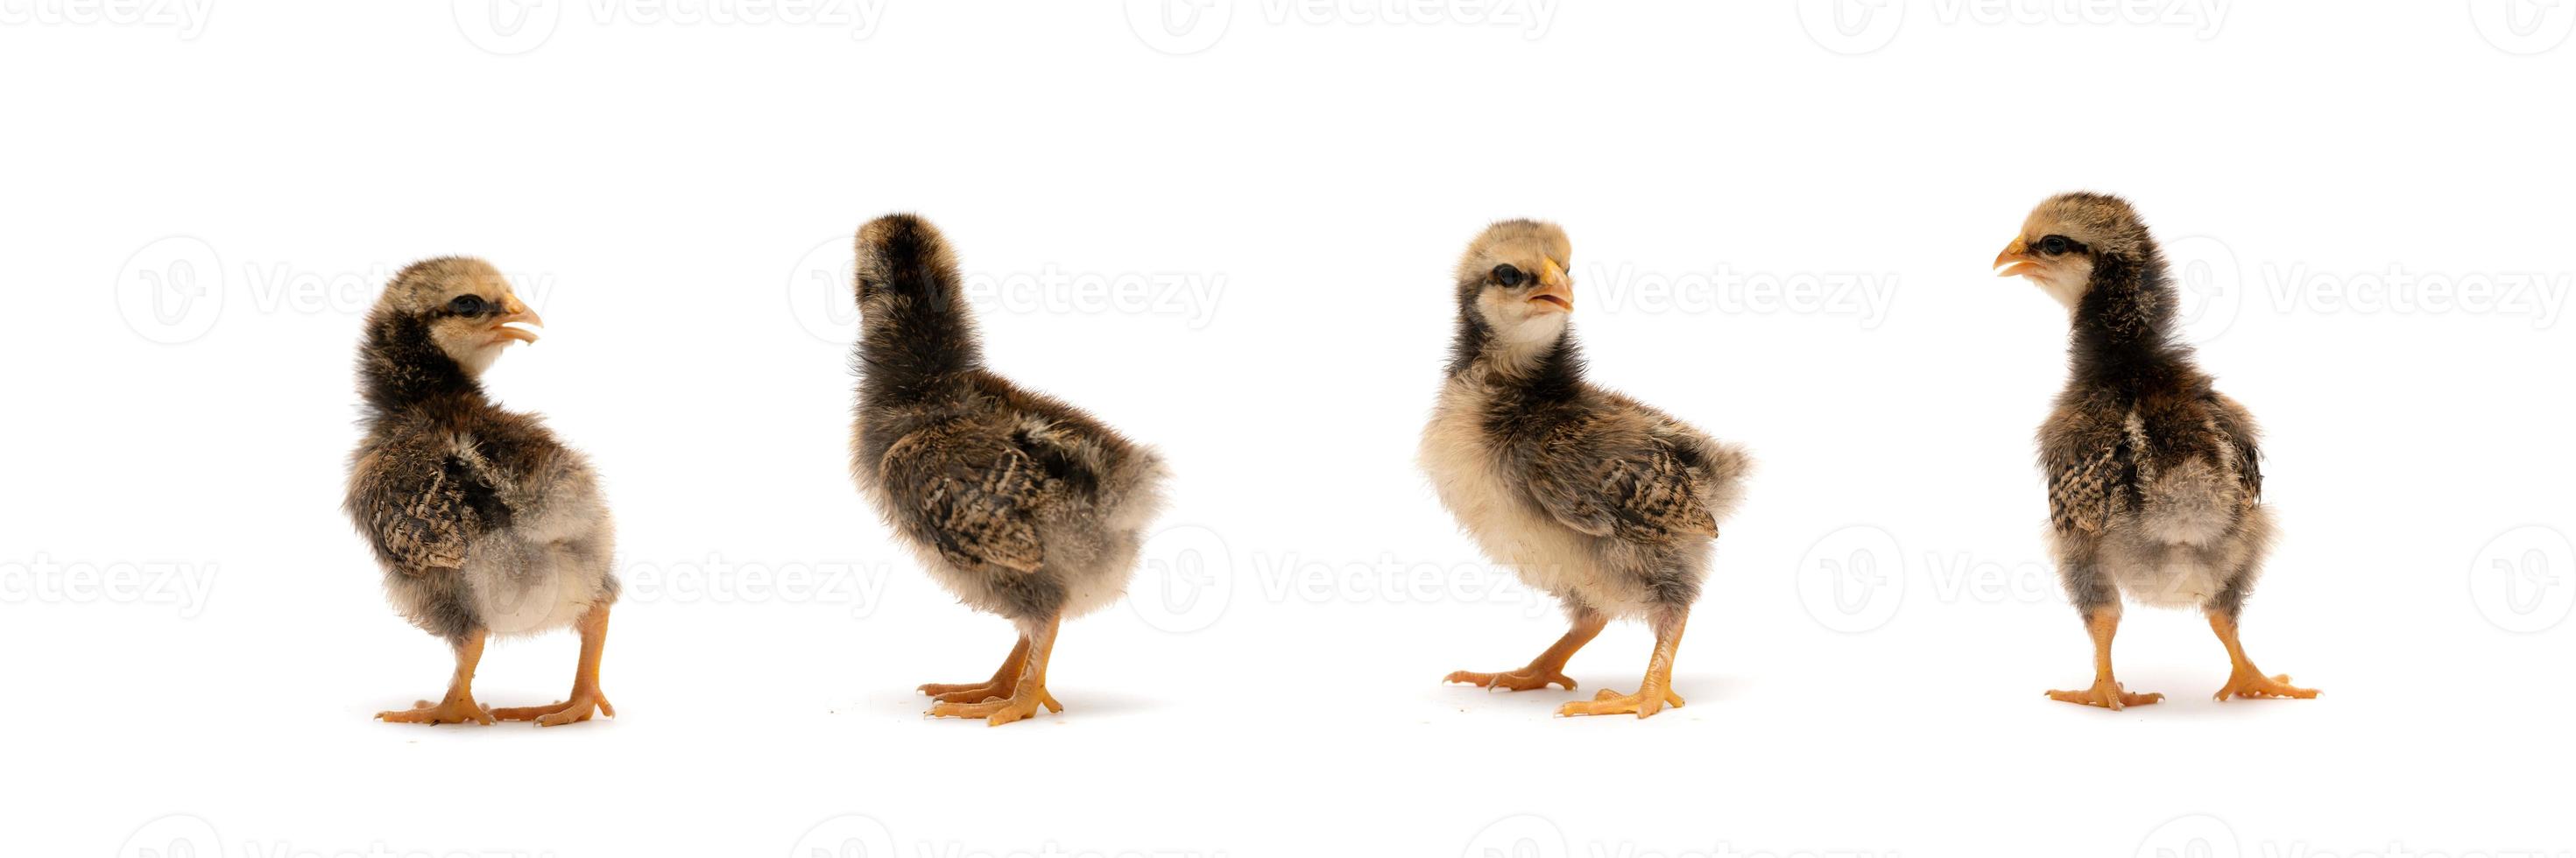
pixel 2066 236
pixel 1513 279
pixel 464 306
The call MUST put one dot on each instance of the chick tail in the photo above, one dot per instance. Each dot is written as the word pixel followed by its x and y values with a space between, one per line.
pixel 906 253
pixel 1724 467
pixel 2193 503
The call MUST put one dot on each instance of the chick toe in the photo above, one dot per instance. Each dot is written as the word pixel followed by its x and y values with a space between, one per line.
pixel 578 709
pixel 2250 684
pixel 1646 702
pixel 1023 703
pixel 2106 694
pixel 454 710
pixel 1524 679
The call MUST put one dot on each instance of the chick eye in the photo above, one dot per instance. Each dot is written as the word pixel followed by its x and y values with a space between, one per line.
pixel 2055 244
pixel 1507 275
pixel 466 305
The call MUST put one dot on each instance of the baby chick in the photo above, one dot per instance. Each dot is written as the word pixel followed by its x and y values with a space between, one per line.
pixel 1018 503
pixel 1603 501
pixel 2155 481
pixel 484 523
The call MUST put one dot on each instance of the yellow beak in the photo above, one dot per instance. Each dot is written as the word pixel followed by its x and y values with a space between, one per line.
pixel 1553 286
pixel 518 313
pixel 2013 261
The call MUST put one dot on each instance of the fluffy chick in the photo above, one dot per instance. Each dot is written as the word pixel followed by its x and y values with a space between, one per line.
pixel 1018 503
pixel 1605 502
pixel 484 523
pixel 2155 479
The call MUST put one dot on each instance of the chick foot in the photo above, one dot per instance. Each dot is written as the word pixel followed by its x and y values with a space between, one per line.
pixel 1524 679
pixel 1023 703
pixel 578 709
pixel 969 692
pixel 2106 694
pixel 1643 703
pixel 454 710
pixel 985 693
pixel 2251 684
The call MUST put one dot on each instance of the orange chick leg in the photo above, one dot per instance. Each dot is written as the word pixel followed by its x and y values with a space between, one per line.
pixel 459 706
pixel 1652 695
pixel 1028 691
pixel 1006 679
pixel 585 681
pixel 2106 691
pixel 1548 667
pixel 2243 680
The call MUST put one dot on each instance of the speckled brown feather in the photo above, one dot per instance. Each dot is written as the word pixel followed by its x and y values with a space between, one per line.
pixel 1595 497
pixel 2154 478
pixel 1018 502
pixel 466 505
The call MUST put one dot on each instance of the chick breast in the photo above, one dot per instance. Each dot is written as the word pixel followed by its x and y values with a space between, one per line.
pixel 1608 504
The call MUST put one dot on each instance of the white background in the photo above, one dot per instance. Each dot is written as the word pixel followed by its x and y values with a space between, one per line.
pixel 675 194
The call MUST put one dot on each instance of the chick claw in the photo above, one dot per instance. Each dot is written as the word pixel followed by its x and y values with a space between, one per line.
pixel 456 711
pixel 935 689
pixel 1610 702
pixel 1524 679
pixel 2254 686
pixel 577 709
pixel 2106 694
pixel 998 711
pixel 976 693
